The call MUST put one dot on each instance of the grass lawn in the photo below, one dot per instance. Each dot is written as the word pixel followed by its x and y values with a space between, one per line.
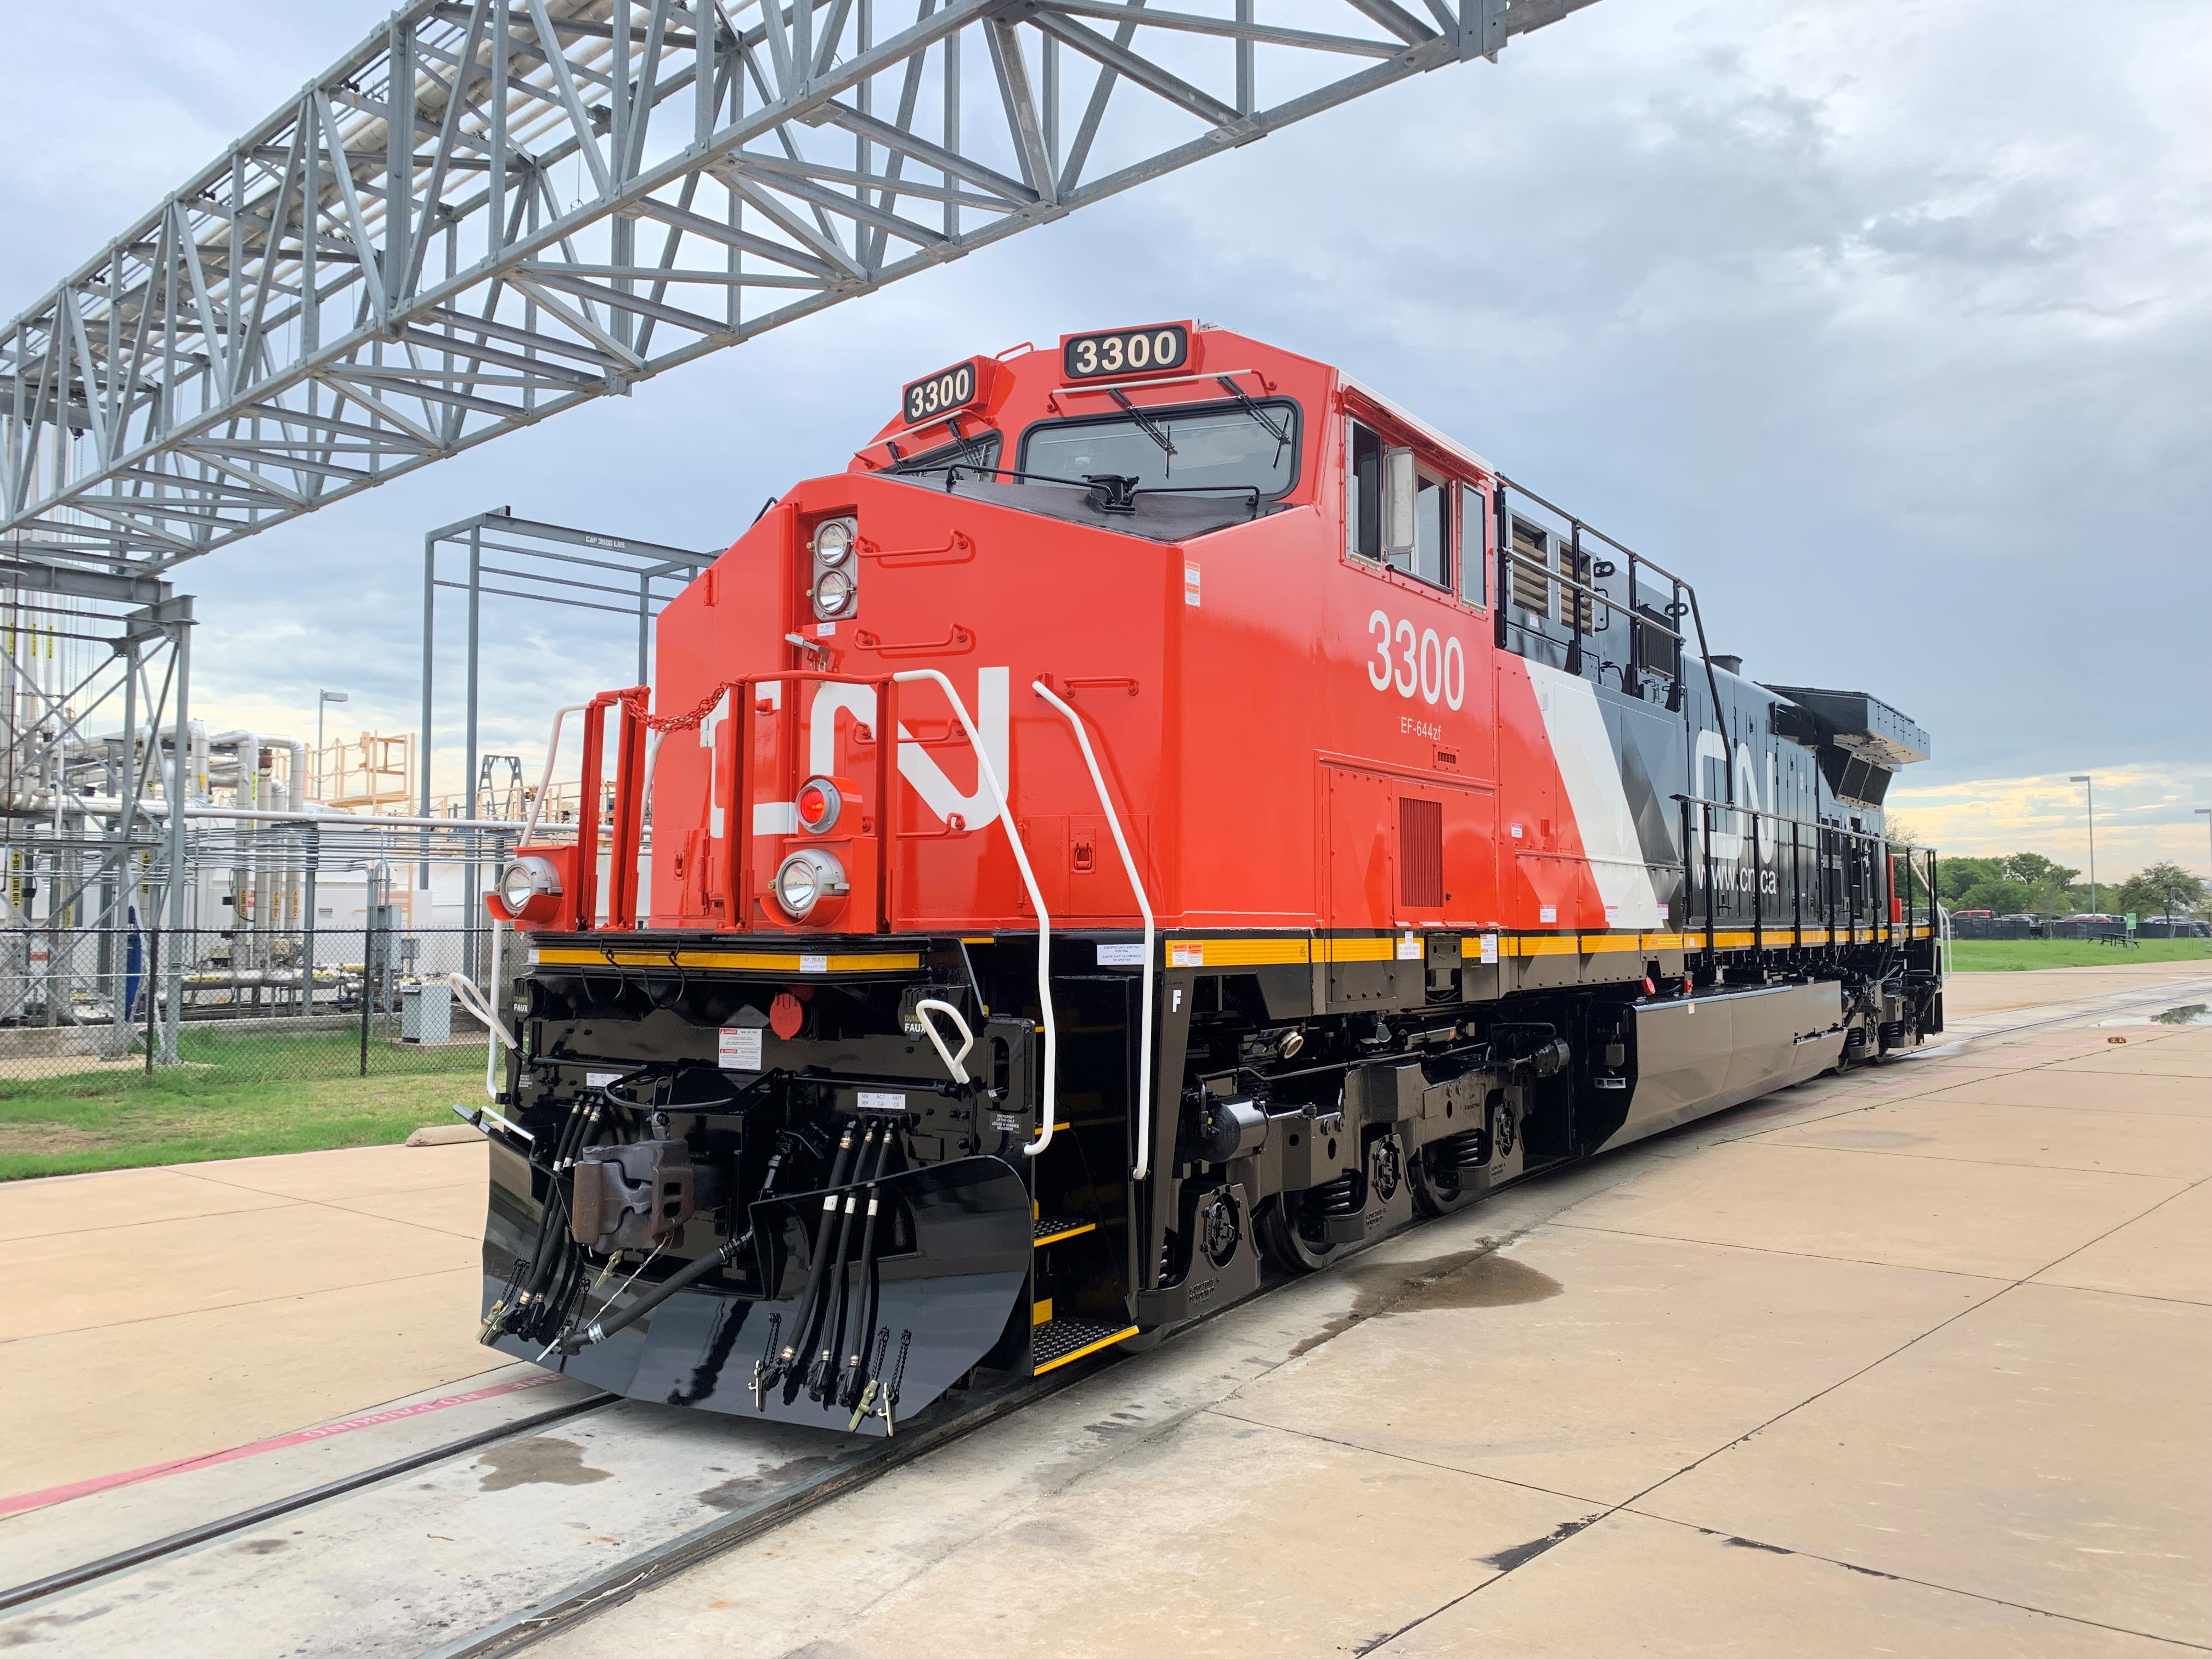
pixel 2013 956
pixel 233 1097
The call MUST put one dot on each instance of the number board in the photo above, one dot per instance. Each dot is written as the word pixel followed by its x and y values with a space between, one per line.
pixel 948 389
pixel 1162 347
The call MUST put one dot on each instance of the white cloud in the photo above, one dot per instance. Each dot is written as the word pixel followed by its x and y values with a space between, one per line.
pixel 1884 322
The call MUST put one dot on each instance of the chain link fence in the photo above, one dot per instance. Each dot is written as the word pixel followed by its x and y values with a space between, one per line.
pixel 255 1006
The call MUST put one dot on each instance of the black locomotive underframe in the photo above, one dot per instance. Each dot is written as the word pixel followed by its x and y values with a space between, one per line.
pixel 1296 1112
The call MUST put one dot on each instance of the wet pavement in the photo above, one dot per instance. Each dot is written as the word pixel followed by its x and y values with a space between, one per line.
pixel 1909 1360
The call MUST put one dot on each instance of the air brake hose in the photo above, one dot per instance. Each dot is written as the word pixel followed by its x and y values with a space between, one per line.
pixel 833 1347
pixel 690 1274
pixel 856 1358
pixel 818 1314
pixel 686 1276
pixel 786 1361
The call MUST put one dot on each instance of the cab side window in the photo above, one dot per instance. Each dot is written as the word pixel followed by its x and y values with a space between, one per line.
pixel 1362 491
pixel 1475 543
pixel 1395 510
pixel 1430 556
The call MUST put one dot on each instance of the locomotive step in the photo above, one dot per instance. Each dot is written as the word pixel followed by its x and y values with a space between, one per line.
pixel 1051 1229
pixel 1059 1342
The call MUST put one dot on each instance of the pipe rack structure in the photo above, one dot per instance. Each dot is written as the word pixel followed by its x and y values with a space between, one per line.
pixel 122 817
pixel 491 210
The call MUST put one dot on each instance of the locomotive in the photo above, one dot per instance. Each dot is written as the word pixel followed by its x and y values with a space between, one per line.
pixel 1161 815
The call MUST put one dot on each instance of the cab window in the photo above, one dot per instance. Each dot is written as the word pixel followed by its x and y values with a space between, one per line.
pixel 1473 567
pixel 1362 491
pixel 1396 511
pixel 1430 556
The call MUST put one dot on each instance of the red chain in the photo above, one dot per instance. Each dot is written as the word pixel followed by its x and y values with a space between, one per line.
pixel 681 722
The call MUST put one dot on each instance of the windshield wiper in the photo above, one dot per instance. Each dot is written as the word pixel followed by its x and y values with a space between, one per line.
pixel 1145 422
pixel 1281 433
pixel 1109 492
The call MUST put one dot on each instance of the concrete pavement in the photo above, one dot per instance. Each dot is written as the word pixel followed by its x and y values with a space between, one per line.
pixel 1907 1361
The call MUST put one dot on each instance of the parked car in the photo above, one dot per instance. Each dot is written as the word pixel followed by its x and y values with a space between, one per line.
pixel 2173 928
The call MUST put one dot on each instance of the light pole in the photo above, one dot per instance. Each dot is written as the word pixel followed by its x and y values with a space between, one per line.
pixel 2093 906
pixel 2205 812
pixel 323 700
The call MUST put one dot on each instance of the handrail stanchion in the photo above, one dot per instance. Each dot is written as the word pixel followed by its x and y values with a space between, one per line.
pixel 1143 1166
pixel 1705 840
pixel 989 775
pixel 887 777
pixel 738 816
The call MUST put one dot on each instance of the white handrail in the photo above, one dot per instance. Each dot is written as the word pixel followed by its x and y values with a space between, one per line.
pixel 1144 1164
pixel 989 775
pixel 922 1011
pixel 478 1007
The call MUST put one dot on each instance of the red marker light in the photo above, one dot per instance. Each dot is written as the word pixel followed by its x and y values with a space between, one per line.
pixel 1649 989
pixel 785 1015
pixel 818 804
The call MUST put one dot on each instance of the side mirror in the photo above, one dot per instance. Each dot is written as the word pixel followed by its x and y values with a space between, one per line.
pixel 1400 487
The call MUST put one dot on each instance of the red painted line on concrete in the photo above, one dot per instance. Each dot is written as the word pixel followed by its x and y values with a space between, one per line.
pixel 31 1500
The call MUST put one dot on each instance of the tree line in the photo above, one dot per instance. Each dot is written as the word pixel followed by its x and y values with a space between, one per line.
pixel 2028 883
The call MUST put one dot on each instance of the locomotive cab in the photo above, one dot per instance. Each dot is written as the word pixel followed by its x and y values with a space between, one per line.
pixel 1160 816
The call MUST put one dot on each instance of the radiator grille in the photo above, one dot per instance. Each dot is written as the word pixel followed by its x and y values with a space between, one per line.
pixel 1421 853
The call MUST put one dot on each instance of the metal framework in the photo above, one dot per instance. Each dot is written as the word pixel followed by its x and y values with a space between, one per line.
pixel 547 564
pixel 122 818
pixel 491 212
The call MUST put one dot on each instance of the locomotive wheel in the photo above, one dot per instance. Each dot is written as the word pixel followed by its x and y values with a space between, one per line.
pixel 1437 1188
pixel 1276 1224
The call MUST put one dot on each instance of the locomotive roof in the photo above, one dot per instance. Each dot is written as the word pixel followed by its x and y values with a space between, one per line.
pixel 1451 445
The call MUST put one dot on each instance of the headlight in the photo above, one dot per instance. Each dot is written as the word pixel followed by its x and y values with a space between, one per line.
pixel 833 593
pixel 805 879
pixel 836 575
pixel 526 879
pixel 818 804
pixel 833 543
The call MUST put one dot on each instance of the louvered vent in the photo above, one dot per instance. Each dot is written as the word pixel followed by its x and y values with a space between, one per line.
pixel 1421 853
pixel 1531 589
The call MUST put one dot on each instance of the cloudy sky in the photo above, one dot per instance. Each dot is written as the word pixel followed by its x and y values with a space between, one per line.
pixel 1885 322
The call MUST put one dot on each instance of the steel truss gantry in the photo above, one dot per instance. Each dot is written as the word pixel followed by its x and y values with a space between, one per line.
pixel 491 212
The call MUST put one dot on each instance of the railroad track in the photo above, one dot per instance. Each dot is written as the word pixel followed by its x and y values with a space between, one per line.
pixel 789 1489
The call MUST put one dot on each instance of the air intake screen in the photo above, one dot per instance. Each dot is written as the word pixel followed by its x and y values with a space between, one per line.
pixel 1421 853
pixel 1532 588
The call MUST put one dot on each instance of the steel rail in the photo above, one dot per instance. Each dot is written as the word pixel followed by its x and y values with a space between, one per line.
pixel 487 212
pixel 176 1542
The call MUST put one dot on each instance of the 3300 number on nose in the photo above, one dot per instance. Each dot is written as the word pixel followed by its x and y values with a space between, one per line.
pixel 1124 351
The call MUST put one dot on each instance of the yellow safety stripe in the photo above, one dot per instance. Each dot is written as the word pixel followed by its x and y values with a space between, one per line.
pixel 1276 950
pixel 772 961
pixel 1080 1228
pixel 1240 952
pixel 1088 1348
